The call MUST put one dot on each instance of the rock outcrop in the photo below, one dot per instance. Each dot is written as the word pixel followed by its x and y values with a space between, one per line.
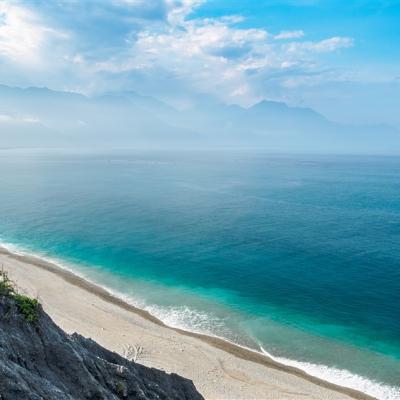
pixel 38 360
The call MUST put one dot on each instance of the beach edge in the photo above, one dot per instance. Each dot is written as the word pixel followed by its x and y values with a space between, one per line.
pixel 216 342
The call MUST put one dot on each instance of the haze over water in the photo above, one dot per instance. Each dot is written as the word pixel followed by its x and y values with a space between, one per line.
pixel 296 255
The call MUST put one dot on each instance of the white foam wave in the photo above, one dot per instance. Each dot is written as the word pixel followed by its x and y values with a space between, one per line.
pixel 20 251
pixel 341 377
pixel 12 248
pixel 187 319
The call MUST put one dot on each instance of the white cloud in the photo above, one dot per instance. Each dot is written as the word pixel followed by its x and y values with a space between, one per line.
pixel 5 118
pixel 31 120
pixel 22 36
pixel 18 119
pixel 284 35
pixel 240 91
pixel 214 56
pixel 203 54
pixel 323 46
pixel 205 38
pixel 178 10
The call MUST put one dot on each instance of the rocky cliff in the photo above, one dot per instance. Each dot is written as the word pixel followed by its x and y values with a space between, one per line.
pixel 38 360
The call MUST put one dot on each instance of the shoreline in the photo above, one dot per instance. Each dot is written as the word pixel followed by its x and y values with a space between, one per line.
pixel 233 350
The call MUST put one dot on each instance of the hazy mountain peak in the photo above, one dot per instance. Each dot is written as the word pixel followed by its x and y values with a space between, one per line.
pixel 44 117
pixel 270 104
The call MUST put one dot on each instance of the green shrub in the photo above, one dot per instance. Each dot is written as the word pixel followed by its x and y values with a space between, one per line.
pixel 6 285
pixel 27 306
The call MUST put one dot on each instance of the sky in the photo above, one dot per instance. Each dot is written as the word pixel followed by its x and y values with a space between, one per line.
pixel 339 57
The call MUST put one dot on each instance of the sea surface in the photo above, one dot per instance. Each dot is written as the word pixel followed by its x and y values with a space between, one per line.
pixel 294 256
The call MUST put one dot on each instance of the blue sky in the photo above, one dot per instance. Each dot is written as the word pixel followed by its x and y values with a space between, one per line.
pixel 340 57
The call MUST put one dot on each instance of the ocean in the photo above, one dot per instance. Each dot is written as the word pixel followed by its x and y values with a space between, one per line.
pixel 296 256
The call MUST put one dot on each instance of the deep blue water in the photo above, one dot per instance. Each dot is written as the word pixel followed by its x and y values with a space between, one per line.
pixel 297 254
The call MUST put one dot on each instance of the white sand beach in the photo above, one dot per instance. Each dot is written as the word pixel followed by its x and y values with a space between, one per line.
pixel 219 370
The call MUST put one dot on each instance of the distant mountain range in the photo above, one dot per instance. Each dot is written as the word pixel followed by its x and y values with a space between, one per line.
pixel 40 117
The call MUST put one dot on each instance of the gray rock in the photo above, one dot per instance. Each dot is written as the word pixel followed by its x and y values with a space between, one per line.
pixel 40 361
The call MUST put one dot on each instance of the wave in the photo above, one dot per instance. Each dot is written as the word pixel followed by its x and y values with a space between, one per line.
pixel 341 377
pixel 196 321
pixel 200 322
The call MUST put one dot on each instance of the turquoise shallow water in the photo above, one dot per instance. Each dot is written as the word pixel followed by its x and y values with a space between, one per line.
pixel 295 255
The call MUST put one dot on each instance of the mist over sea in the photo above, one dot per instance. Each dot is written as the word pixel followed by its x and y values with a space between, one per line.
pixel 296 256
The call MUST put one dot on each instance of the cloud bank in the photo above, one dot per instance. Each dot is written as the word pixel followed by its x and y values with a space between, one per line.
pixel 160 47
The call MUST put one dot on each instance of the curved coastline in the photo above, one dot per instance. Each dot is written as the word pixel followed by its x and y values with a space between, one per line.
pixel 217 342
